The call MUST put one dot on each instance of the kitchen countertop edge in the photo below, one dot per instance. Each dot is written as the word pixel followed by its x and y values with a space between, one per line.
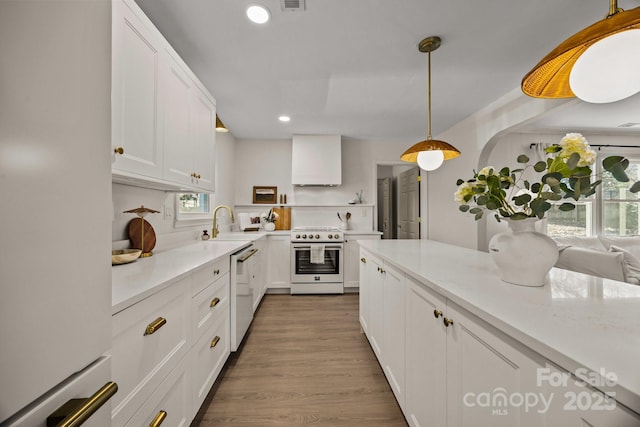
pixel 138 280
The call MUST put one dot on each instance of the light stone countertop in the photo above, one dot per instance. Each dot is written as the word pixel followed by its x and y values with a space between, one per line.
pixel 575 320
pixel 136 281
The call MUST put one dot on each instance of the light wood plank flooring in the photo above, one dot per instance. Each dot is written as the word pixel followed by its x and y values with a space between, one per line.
pixel 304 361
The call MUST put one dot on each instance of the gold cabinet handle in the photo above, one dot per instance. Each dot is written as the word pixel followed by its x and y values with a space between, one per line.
pixel 437 313
pixel 214 342
pixel 198 176
pixel 216 271
pixel 214 302
pixel 447 321
pixel 363 260
pixel 155 325
pixel 118 150
pixel 159 418
pixel 382 270
pixel 85 410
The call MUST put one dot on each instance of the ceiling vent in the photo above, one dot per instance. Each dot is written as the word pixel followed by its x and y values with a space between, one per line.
pixel 292 5
pixel 629 125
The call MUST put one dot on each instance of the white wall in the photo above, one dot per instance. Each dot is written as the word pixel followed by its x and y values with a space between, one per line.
pixel 268 162
pixel 168 232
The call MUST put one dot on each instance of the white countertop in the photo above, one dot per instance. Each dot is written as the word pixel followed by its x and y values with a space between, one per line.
pixel 575 320
pixel 137 280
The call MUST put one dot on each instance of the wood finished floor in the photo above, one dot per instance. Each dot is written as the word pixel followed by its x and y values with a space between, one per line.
pixel 304 362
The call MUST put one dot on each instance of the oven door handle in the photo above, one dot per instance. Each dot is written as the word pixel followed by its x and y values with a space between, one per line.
pixel 297 248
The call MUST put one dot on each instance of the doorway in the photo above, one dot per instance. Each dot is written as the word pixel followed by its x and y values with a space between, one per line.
pixel 398 201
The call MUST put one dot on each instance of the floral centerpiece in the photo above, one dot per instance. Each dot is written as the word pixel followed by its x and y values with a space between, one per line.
pixel 566 176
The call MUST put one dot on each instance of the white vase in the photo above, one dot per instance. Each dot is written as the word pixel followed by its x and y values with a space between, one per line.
pixel 523 255
pixel 269 226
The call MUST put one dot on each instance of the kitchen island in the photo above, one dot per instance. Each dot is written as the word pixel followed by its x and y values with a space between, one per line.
pixel 478 336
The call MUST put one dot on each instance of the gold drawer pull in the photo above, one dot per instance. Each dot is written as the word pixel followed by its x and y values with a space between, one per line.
pixel 158 419
pixel 363 260
pixel 86 409
pixel 437 313
pixel 118 150
pixel 214 302
pixel 447 321
pixel 214 342
pixel 155 325
pixel 216 271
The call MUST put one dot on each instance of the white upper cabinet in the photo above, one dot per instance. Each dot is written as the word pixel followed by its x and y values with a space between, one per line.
pixel 135 105
pixel 163 126
pixel 188 128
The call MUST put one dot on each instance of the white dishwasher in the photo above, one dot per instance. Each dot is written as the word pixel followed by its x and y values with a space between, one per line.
pixel 242 268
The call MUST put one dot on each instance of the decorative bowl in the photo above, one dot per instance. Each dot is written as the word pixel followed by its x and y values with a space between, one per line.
pixel 124 256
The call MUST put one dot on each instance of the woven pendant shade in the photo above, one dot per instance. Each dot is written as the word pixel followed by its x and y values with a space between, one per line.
pixel 550 77
pixel 448 150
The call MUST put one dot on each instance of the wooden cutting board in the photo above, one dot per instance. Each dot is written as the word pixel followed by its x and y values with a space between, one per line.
pixel 284 219
pixel 135 235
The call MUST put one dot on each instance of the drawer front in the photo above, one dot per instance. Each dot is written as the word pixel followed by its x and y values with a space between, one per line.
pixel 208 359
pixel 208 306
pixel 173 397
pixel 142 358
pixel 204 276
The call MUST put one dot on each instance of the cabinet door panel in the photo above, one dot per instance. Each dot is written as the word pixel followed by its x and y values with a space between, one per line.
pixel 203 116
pixel 425 401
pixel 172 396
pixel 178 145
pixel 485 369
pixel 135 99
pixel 279 267
pixel 365 291
pixel 394 331
pixel 376 301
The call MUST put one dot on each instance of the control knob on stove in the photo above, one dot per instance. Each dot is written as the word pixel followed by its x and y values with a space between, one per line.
pixel 297 236
pixel 304 236
pixel 336 236
pixel 317 236
pixel 331 236
pixel 311 236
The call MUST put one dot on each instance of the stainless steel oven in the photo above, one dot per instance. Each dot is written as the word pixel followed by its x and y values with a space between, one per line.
pixel 317 261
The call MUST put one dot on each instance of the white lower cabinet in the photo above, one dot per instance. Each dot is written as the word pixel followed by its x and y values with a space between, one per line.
pixel 169 348
pixel 426 357
pixel 383 301
pixel 170 403
pixel 279 268
pixel 149 339
pixel 448 367
pixel 352 257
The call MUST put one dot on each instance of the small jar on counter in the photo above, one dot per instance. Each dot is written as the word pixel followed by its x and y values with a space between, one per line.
pixel 205 235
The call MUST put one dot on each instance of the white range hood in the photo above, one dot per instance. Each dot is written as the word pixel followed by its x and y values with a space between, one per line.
pixel 316 160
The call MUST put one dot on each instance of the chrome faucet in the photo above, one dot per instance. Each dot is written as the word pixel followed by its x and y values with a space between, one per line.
pixel 214 230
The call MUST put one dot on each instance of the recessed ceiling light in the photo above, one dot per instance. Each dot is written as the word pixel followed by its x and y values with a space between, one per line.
pixel 258 14
pixel 284 118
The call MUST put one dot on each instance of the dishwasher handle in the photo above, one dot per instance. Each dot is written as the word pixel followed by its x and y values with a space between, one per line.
pixel 248 255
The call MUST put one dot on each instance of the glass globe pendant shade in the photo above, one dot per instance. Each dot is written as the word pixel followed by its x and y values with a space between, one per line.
pixel 609 70
pixel 430 160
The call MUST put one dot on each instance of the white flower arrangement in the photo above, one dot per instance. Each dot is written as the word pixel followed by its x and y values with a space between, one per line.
pixel 565 175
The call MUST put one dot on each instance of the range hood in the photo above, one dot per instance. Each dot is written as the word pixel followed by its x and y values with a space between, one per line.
pixel 316 160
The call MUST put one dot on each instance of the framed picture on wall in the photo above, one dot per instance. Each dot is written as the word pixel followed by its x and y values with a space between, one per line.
pixel 265 195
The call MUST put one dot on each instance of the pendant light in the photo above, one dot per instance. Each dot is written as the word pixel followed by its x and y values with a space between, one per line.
pixel 430 153
pixel 220 127
pixel 598 64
